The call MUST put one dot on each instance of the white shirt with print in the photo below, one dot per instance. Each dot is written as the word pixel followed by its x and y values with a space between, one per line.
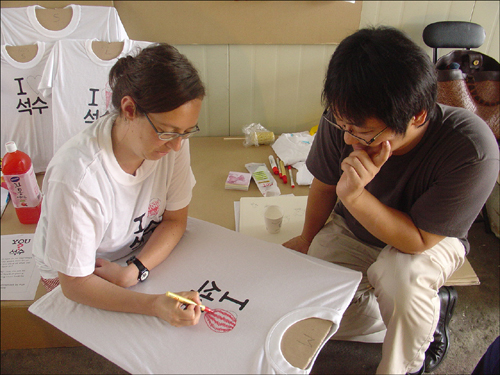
pixel 92 208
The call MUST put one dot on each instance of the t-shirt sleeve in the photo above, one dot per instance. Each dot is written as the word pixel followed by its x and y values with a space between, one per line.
pixel 450 206
pixel 324 157
pixel 49 72
pixel 115 28
pixel 181 181
pixel 75 226
pixel 453 201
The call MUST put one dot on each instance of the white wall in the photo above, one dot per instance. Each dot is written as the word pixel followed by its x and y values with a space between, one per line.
pixel 280 86
pixel 413 16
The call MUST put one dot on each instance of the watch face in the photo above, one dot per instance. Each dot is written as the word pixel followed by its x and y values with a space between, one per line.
pixel 144 275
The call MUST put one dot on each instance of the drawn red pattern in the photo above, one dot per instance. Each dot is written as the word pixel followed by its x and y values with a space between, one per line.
pixel 50 284
pixel 220 321
pixel 153 208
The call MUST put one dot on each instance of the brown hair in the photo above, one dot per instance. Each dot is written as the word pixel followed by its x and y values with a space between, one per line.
pixel 159 79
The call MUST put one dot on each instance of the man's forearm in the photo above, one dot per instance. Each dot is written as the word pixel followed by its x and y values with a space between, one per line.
pixel 389 225
pixel 320 203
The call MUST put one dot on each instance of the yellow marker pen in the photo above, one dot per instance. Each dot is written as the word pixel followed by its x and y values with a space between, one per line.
pixel 187 301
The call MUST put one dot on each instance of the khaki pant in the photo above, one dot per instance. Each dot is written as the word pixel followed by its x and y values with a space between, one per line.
pixel 396 302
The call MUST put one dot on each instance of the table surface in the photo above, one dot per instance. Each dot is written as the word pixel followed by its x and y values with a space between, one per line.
pixel 212 158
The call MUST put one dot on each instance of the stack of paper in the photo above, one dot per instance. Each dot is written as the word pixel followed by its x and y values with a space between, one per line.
pixel 238 181
pixel 465 275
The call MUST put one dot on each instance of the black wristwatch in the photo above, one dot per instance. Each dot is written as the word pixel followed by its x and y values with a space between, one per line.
pixel 143 271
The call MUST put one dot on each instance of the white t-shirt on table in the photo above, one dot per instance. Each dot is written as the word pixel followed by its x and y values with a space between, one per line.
pixel 265 286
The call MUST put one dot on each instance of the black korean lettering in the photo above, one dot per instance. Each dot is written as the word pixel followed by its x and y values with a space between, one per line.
pixel 24 106
pixel 141 232
pixel 139 220
pixel 93 103
pixel 21 92
pixel 91 117
pixel 40 107
pixel 242 304
pixel 208 291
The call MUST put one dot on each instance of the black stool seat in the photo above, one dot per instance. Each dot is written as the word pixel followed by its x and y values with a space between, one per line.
pixel 453 34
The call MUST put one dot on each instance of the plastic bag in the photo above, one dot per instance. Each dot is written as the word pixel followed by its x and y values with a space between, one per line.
pixel 256 134
pixel 293 147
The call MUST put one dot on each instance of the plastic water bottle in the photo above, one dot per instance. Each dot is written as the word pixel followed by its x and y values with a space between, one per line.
pixel 22 185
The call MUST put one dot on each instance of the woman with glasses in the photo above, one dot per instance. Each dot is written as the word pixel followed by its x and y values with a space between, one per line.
pixel 121 188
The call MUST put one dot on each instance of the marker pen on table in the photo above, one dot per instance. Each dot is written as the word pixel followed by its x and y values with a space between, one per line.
pixel 273 164
pixel 283 171
pixel 280 172
pixel 291 176
pixel 187 301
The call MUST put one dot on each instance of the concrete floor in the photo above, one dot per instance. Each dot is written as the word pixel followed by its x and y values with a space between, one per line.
pixel 474 326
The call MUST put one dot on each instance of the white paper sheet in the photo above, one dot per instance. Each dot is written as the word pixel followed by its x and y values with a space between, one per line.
pixel 20 276
pixel 267 287
pixel 237 216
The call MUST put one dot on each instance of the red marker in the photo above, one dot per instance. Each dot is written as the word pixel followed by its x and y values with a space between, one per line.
pixel 273 165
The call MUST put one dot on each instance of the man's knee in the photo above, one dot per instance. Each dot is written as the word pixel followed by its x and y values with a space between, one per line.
pixel 401 275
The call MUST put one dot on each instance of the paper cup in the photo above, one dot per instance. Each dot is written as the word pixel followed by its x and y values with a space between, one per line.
pixel 273 216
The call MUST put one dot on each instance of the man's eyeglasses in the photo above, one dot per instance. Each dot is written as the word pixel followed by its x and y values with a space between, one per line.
pixel 170 136
pixel 367 143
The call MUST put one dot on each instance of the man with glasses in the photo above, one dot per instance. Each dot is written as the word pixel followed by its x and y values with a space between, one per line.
pixel 405 178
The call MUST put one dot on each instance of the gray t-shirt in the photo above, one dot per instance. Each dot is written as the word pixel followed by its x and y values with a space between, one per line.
pixel 442 183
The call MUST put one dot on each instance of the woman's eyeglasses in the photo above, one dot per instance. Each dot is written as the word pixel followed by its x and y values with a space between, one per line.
pixel 170 136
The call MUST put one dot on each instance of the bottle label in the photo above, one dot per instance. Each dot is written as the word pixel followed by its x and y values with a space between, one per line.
pixel 23 189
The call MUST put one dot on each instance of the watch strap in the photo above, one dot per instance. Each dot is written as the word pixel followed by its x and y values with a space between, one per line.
pixel 143 271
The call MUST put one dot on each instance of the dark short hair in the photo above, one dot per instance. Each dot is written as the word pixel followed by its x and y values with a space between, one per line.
pixel 159 79
pixel 380 72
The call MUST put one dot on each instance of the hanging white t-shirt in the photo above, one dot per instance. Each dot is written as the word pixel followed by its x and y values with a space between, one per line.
pixel 20 26
pixel 265 286
pixel 92 208
pixel 26 112
pixel 77 81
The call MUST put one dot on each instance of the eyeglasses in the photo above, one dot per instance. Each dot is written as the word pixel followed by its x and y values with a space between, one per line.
pixel 367 143
pixel 170 136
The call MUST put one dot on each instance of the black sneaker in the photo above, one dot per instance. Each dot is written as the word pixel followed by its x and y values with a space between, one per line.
pixel 439 347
